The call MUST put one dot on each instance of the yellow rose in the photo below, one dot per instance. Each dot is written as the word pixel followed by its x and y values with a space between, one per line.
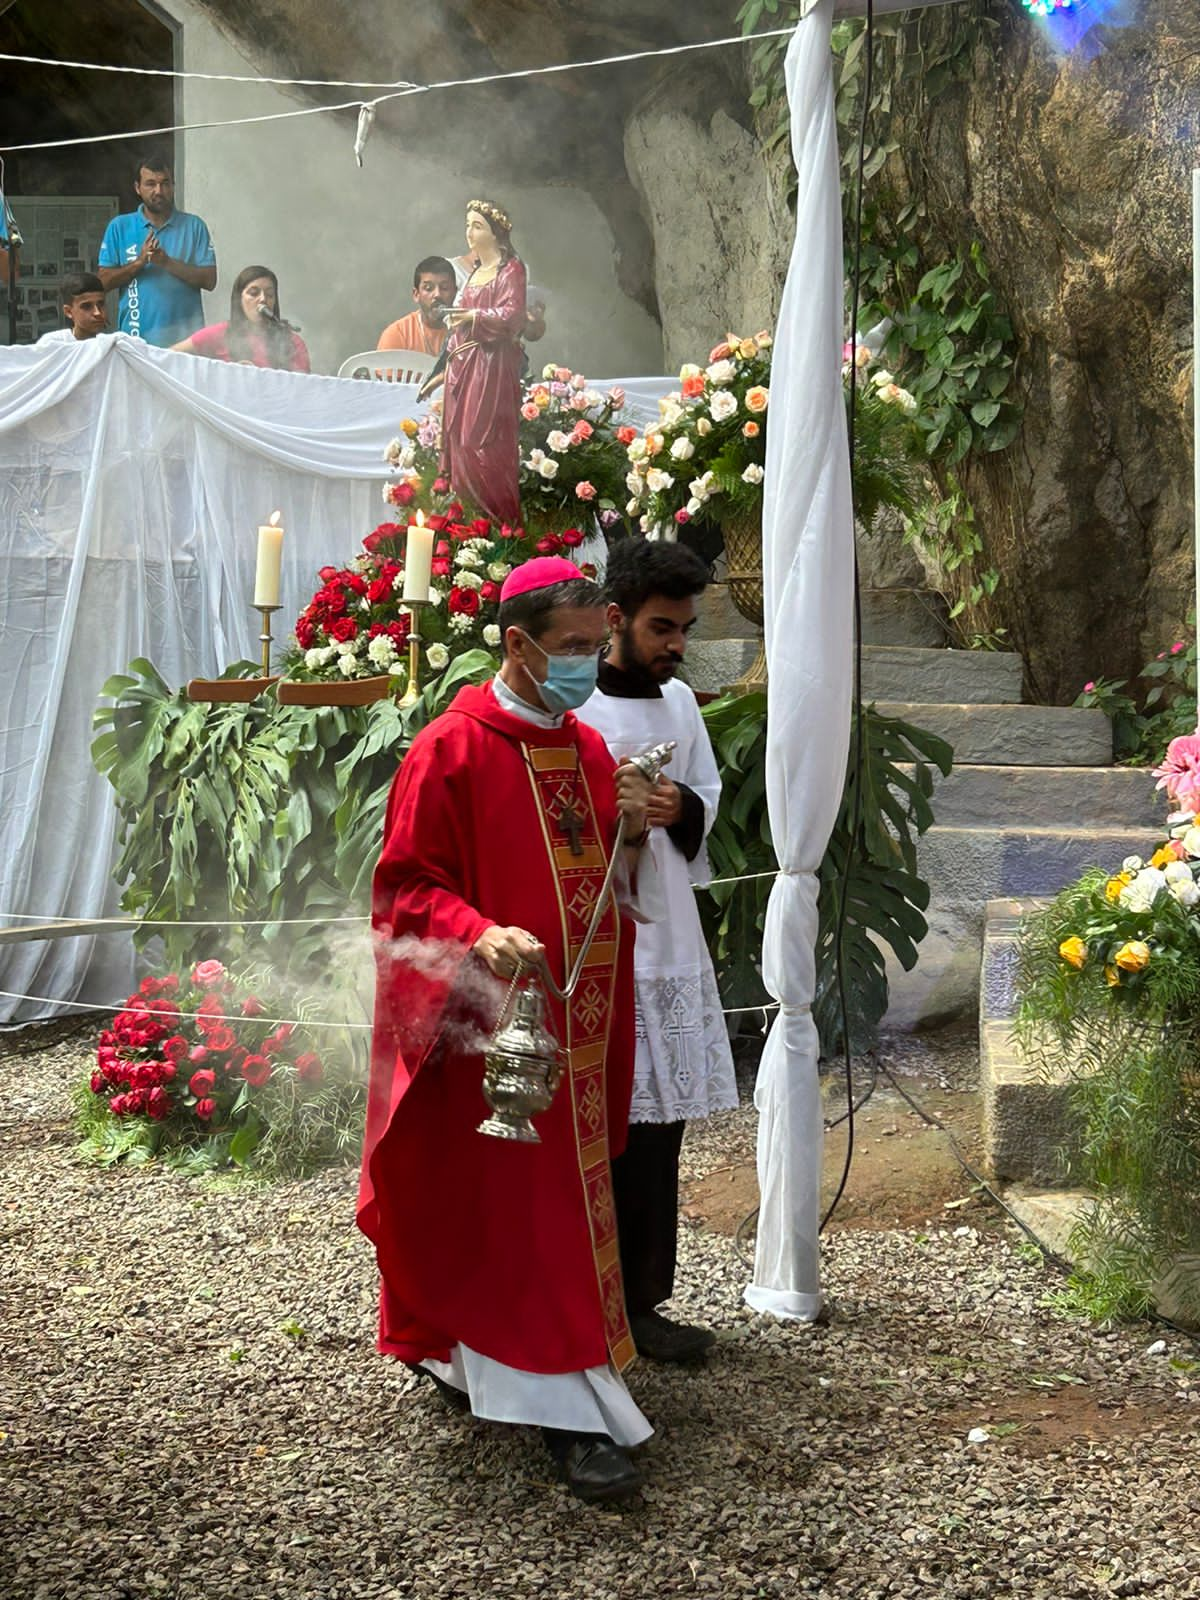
pixel 747 349
pixel 1073 951
pixel 1112 977
pixel 408 428
pixel 756 398
pixel 1112 889
pixel 1132 957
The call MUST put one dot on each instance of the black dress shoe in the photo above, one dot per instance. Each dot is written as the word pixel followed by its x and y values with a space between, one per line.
pixel 593 1468
pixel 659 1339
pixel 453 1399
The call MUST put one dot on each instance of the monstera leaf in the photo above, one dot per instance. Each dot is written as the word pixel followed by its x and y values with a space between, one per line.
pixel 871 859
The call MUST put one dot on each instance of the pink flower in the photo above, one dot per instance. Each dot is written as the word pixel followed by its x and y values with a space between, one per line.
pixel 578 402
pixel 581 431
pixel 1089 687
pixel 207 974
pixel 530 412
pixel 681 517
pixel 1179 774
pixel 616 397
pixel 585 490
pixel 1177 647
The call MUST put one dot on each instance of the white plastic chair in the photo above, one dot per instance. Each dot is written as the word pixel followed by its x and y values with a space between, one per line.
pixel 388 366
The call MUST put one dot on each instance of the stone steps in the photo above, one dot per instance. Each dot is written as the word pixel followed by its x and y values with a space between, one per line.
pixel 1013 735
pixel 979 796
pixel 941 677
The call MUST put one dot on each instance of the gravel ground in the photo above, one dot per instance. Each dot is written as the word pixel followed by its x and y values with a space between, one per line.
pixel 192 1408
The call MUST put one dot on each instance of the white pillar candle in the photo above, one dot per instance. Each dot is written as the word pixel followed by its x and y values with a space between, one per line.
pixel 418 560
pixel 270 559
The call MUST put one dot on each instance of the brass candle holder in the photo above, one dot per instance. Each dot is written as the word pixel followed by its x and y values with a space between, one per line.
pixel 265 636
pixel 412 692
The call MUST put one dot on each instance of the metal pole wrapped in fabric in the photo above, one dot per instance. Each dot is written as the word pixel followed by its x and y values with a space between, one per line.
pixel 808 593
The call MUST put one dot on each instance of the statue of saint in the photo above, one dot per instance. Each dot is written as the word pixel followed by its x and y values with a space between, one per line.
pixel 482 395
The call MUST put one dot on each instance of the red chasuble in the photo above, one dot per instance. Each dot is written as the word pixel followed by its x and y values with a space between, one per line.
pixel 508 1248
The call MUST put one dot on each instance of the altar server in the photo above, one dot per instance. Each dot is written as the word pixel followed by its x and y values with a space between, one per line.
pixel 684 1067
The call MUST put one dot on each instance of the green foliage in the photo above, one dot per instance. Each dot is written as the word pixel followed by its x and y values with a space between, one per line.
pixel 875 861
pixel 1129 1043
pixel 1141 733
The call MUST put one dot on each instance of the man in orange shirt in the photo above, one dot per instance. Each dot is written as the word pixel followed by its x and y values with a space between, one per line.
pixel 434 286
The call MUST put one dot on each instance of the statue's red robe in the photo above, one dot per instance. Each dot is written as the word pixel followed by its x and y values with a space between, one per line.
pixel 508 1248
pixel 482 397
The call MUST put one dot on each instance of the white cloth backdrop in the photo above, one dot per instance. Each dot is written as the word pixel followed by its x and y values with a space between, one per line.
pixel 132 482
pixel 808 556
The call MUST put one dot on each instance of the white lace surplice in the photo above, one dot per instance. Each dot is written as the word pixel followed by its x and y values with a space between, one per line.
pixel 684 1065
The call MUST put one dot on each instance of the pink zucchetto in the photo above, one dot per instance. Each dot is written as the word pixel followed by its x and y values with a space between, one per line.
pixel 539 573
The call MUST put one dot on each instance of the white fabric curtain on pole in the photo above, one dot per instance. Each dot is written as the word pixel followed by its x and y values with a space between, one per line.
pixel 808 561
pixel 132 483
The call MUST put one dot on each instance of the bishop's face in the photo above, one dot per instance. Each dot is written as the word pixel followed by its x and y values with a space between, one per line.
pixel 654 640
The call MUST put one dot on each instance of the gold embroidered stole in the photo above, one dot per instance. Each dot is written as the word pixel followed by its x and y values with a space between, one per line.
pixel 578 880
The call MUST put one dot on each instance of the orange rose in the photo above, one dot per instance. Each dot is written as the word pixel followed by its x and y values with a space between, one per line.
pixel 756 398
pixel 692 387
pixel 750 430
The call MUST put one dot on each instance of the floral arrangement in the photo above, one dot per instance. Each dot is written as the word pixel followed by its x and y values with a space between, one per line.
pixel 1109 983
pixel 572 457
pixel 709 442
pixel 188 1058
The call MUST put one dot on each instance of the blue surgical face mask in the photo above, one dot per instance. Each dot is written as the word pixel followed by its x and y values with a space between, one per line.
pixel 570 680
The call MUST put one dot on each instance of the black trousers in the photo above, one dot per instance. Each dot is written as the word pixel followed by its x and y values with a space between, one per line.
pixel 646 1189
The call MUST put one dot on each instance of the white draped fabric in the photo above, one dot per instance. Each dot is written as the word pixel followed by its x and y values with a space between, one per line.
pixel 808 543
pixel 132 482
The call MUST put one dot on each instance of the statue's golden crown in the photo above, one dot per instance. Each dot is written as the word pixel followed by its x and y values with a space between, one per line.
pixel 493 213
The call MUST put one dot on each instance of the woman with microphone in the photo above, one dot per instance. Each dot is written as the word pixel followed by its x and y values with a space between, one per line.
pixel 255 335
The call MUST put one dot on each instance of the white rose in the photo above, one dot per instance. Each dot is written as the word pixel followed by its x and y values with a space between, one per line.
pixel 1177 872
pixel 558 440
pixel 669 410
pixel 688 370
pixel 753 473
pixel 723 405
pixel 347 647
pixel 1185 890
pixel 703 426
pixel 632 507
pixel 437 656
pixel 906 401
pixel 698 490
pixel 393 451
pixel 633 482
pixel 549 370
pixel 548 468
pixel 316 658
pixel 637 450
pixel 491 634
pixel 469 580
pixel 435 596
pixel 694 506
pixel 683 449
pixel 381 650
pixel 467 558
pixel 1141 894
pixel 347 665
pixel 882 378
pixel 657 480
pixel 396 668
pixel 593 397
pixel 720 372
pixel 1132 864
pixel 498 570
pixel 536 457
pixel 1191 842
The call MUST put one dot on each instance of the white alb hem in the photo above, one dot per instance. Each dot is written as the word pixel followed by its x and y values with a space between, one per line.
pixel 594 1400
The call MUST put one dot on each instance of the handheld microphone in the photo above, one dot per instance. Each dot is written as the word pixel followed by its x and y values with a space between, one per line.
pixel 264 310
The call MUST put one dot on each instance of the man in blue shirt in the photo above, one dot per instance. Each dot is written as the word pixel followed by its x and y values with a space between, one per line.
pixel 159 259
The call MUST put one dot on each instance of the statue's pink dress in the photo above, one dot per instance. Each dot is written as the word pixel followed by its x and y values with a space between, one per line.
pixel 481 409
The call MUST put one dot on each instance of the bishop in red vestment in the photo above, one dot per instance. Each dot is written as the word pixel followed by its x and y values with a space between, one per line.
pixel 499 1261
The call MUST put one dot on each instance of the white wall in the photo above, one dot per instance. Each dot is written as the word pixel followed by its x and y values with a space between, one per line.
pixel 344 241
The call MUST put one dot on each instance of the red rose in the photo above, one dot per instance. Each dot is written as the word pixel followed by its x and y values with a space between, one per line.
pixel 379 589
pixel 355 581
pixel 506 531
pixel 252 1006
pixel 197 1054
pixel 438 524
pixel 168 1072
pixel 306 635
pixel 309 1067
pixel 481 527
pixel 222 1039
pixel 681 516
pixel 207 974
pixel 174 1048
pixel 205 1109
pixel 548 545
pixel 571 538
pixel 148 986
pixel 97 1082
pixel 158 1104
pixel 169 984
pixel 398 632
pixel 202 1082
pixel 489 591
pixel 439 567
pixel 465 601
pixel 327 574
pixel 117 1105
pixel 459 530
pixel 343 629
pixel 440 486
pixel 256 1070
pixel 403 494
pixel 333 602
pixel 626 434
pixel 454 510
pixel 441 548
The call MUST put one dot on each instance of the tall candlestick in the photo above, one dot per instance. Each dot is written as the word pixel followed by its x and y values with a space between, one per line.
pixel 412 692
pixel 418 560
pixel 270 559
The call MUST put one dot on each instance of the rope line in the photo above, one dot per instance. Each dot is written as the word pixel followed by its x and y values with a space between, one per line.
pixel 353 105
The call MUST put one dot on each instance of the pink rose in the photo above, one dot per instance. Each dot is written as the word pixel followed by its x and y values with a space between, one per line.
pixel 548 545
pixel 581 431
pixel 616 397
pixel 681 517
pixel 207 974
pixel 197 1054
pixel 585 490
pixel 578 401
pixel 530 412
pixel 1088 688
